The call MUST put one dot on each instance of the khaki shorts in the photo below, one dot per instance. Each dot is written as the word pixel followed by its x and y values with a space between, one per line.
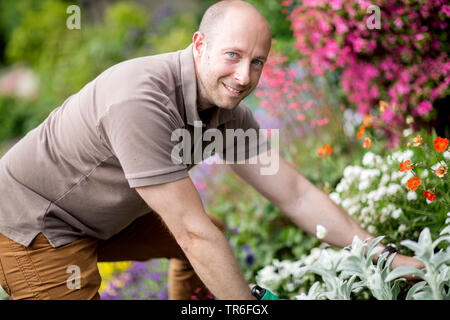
pixel 40 271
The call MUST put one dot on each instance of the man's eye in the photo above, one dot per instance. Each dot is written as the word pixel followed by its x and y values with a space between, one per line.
pixel 258 63
pixel 232 54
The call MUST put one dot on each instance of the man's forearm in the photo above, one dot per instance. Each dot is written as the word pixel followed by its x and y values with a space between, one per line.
pixel 312 207
pixel 212 259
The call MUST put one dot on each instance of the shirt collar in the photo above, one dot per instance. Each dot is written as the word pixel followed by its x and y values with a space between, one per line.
pixel 189 87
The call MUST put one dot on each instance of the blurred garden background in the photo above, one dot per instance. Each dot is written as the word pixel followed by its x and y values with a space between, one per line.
pixel 358 89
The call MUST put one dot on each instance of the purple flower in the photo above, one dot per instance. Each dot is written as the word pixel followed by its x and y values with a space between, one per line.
pixel 155 276
pixel 249 259
pixel 162 295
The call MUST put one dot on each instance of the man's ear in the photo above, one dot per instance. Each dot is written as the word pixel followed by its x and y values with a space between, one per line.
pixel 199 43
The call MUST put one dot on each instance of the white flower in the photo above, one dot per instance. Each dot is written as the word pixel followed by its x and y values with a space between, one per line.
pixel 354 209
pixel 385 179
pixel 381 192
pixel 342 186
pixel 364 184
pixel 407 176
pixel 389 159
pixel 303 296
pixel 290 286
pixel 372 195
pixel 369 174
pixel 446 154
pixel 407 132
pixel 396 213
pixel 321 231
pixel 368 159
pixel 411 195
pixel 396 175
pixel 436 166
pixel 393 188
pixel 346 203
pixel 365 211
pixel 402 228
pixel 335 197
pixel 371 229
pixel 402 156
pixel 424 174
pixel 352 172
pixel 371 160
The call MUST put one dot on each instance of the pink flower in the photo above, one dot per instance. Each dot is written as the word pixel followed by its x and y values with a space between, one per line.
pixel 301 117
pixel 331 48
pixel 424 107
pixel 336 4
pixel 446 10
pixel 307 105
pixel 388 115
pixel 294 105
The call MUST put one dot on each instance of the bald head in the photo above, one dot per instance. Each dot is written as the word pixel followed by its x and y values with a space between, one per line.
pixel 236 10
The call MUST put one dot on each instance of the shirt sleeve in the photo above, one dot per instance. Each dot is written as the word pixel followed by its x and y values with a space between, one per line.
pixel 139 134
pixel 245 139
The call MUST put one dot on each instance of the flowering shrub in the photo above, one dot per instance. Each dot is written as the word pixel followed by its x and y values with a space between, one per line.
pixel 404 61
pixel 398 194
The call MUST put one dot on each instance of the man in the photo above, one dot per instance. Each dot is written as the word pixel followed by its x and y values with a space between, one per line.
pixel 97 181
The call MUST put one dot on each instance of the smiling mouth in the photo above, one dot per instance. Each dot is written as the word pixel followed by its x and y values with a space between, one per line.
pixel 233 91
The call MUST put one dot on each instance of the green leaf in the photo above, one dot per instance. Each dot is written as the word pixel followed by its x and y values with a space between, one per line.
pixel 445 230
pixel 439 240
pixel 417 287
pixel 403 271
pixel 440 258
pixel 414 246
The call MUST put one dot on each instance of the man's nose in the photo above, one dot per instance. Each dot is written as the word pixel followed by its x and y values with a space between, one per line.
pixel 242 74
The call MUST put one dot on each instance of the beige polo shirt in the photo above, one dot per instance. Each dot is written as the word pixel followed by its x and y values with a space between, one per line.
pixel 74 175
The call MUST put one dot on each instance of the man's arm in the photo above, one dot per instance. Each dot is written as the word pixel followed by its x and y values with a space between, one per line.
pixel 179 205
pixel 307 206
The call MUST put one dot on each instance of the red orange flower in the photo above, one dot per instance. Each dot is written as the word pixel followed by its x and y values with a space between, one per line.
pixel 362 129
pixel 322 151
pixel 367 120
pixel 405 166
pixel 440 144
pixel 367 143
pixel 417 140
pixel 360 133
pixel 429 195
pixel 440 172
pixel 413 184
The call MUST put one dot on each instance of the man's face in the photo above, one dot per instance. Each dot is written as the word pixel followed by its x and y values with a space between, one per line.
pixel 229 65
